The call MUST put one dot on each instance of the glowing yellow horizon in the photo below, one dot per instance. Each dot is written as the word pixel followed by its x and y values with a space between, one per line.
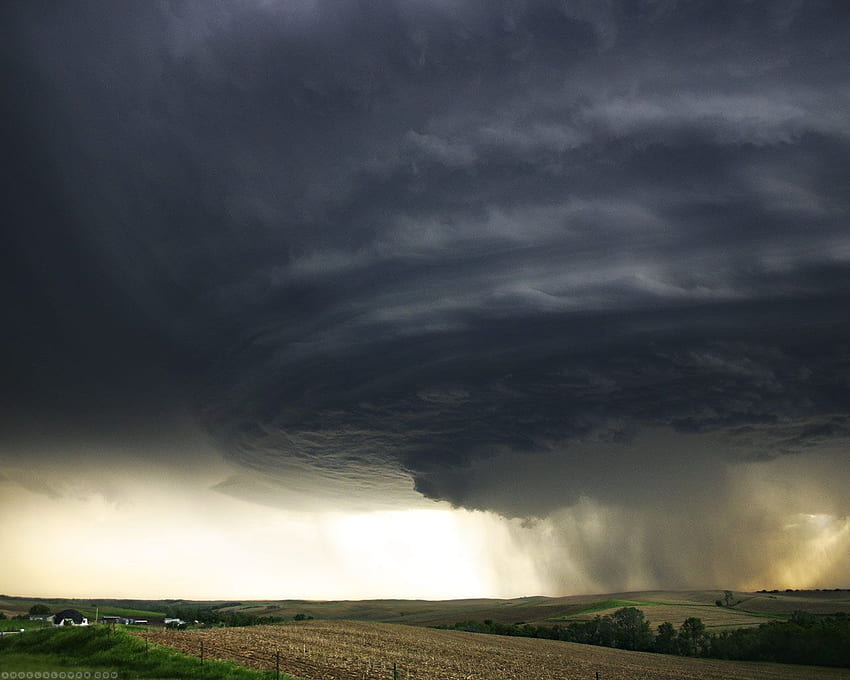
pixel 159 532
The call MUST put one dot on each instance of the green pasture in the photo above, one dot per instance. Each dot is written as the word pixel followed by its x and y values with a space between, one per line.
pixel 101 650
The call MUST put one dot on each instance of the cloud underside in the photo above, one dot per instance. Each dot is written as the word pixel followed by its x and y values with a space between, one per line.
pixel 503 255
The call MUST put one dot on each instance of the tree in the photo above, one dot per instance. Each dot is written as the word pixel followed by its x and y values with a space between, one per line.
pixel 692 636
pixel 604 632
pixel 803 619
pixel 665 640
pixel 728 598
pixel 632 630
pixel 39 610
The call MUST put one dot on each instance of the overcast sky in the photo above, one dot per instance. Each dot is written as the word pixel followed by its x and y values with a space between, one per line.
pixel 559 285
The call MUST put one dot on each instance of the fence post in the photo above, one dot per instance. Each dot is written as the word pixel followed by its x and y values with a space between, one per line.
pixel 395 671
pixel 202 651
pixel 277 665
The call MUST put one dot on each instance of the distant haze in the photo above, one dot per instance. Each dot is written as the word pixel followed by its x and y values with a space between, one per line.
pixel 424 299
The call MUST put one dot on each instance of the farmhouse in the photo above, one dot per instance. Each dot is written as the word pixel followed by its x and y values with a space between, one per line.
pixel 70 617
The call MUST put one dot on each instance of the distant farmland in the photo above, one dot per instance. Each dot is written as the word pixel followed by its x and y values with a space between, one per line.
pixel 748 608
pixel 340 650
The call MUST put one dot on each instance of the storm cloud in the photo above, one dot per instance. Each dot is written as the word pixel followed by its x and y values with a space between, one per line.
pixel 518 256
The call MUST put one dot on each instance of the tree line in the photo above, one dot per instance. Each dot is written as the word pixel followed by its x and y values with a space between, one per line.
pixel 803 639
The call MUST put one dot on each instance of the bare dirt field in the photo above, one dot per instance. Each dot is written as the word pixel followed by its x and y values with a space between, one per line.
pixel 349 650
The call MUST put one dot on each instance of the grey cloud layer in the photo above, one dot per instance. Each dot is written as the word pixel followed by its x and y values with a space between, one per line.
pixel 427 239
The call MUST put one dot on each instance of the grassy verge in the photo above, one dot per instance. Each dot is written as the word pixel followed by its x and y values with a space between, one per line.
pixel 12 662
pixel 111 654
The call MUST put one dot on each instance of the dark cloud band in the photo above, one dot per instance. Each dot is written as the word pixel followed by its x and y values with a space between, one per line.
pixel 372 244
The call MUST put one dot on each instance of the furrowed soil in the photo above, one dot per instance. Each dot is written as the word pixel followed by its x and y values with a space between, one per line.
pixel 352 650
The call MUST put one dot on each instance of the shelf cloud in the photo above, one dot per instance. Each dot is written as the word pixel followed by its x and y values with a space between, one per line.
pixel 521 257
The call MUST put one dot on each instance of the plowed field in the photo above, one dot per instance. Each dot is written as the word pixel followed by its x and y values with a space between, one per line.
pixel 350 650
pixel 715 618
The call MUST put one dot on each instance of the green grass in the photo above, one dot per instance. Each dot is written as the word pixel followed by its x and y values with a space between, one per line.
pixel 97 648
pixel 760 615
pixel 602 605
pixel 26 624
pixel 41 663
pixel 119 611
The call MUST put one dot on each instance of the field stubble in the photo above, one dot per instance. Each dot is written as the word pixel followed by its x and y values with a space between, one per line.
pixel 715 618
pixel 353 650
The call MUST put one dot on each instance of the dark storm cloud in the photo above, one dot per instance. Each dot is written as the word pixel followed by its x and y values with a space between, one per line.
pixel 377 239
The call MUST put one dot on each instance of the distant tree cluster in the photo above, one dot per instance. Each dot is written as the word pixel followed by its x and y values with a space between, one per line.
pixel 804 639
pixel 627 628
pixel 728 600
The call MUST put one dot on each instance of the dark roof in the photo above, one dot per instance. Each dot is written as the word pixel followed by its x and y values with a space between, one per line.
pixel 72 614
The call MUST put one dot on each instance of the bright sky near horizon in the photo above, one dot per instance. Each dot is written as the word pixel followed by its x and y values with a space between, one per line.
pixel 91 532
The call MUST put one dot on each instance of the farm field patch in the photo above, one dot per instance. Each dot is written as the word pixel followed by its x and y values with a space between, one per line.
pixel 349 650
pixel 815 602
pixel 715 618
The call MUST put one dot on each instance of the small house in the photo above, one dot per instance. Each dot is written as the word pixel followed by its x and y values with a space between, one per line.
pixel 69 617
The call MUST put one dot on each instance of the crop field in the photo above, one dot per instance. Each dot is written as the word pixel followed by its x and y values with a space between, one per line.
pixel 822 602
pixel 348 650
pixel 715 618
